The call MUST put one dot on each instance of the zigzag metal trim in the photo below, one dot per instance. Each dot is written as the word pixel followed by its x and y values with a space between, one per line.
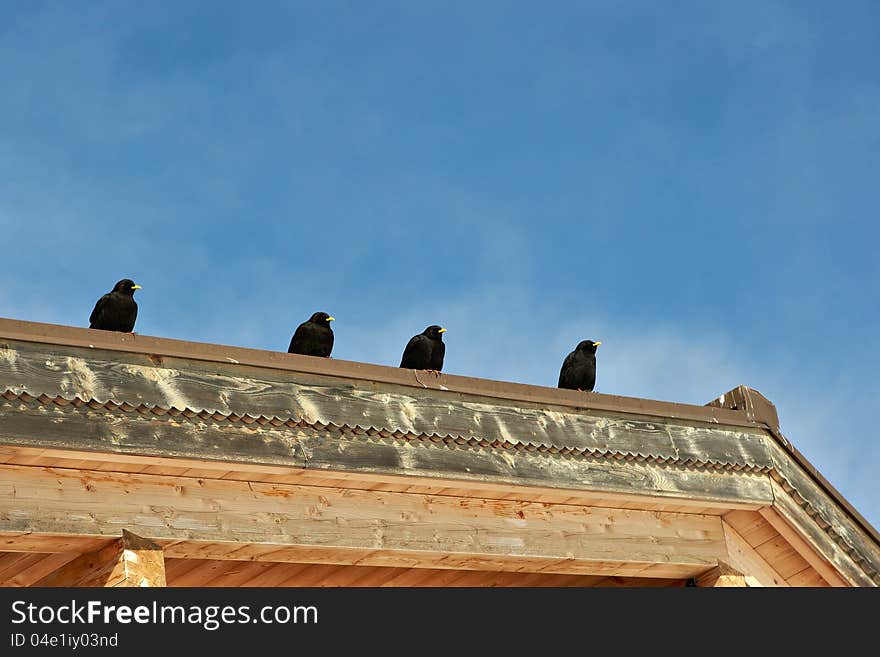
pixel 376 433
pixel 355 431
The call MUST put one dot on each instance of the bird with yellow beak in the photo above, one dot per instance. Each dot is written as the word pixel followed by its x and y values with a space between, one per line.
pixel 314 337
pixel 116 310
pixel 425 351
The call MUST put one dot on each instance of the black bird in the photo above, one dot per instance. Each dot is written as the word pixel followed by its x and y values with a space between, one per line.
pixel 425 351
pixel 116 310
pixel 579 368
pixel 313 337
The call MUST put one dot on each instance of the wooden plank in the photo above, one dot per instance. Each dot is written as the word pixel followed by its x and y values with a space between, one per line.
pixel 90 569
pixel 139 349
pixel 30 542
pixel 722 576
pixel 746 560
pixel 826 570
pixel 751 526
pixel 343 556
pixel 639 582
pixel 856 554
pixel 231 389
pixel 32 572
pixel 329 452
pixel 761 410
pixel 12 563
pixel 233 573
pixel 176 568
pixel 782 556
pixel 296 523
pixel 808 578
pixel 488 489
pixel 206 570
pixel 811 542
pixel 316 575
pixel 276 574
pixel 126 562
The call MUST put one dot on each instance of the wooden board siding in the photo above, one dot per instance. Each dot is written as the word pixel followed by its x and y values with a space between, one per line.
pixel 297 523
pixel 743 557
pixel 226 390
pixel 300 468
pixel 408 483
pixel 780 560
pixel 20 569
pixel 69 428
pixel 130 561
pixel 823 523
pixel 157 351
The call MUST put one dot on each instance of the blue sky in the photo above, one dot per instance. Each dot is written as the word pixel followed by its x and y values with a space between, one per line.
pixel 695 184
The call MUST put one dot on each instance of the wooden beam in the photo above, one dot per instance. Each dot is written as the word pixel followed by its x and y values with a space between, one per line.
pixel 50 543
pixel 230 446
pixel 827 527
pixel 274 522
pixel 811 555
pixel 786 514
pixel 713 493
pixel 721 576
pixel 126 348
pixel 25 568
pixel 225 389
pixel 743 558
pixel 127 561
pixel 196 572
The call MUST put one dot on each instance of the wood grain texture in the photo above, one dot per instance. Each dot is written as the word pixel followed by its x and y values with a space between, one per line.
pixel 809 537
pixel 618 452
pixel 826 570
pixel 296 523
pixel 71 429
pixel 855 554
pixel 810 578
pixel 130 561
pixel 17 333
pixel 199 572
pixel 24 569
pixel 746 560
pixel 234 389
pixel 722 576
pixel 780 554
pixel 751 526
pixel 487 489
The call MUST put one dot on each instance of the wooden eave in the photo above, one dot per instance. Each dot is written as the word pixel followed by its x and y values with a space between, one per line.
pixel 330 462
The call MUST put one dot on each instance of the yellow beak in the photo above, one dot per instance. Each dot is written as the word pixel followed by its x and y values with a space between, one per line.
pixel 597 343
pixel 136 287
pixel 442 331
pixel 330 319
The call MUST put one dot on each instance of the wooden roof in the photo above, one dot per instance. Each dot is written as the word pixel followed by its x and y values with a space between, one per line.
pixel 223 455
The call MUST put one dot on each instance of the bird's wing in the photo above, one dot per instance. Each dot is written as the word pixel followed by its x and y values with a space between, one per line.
pixel 565 372
pixel 99 308
pixel 437 353
pixel 330 343
pixel 299 335
pixel 417 354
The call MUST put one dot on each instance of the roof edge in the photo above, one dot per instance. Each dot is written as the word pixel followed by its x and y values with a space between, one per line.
pixel 55 334
pixel 760 409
